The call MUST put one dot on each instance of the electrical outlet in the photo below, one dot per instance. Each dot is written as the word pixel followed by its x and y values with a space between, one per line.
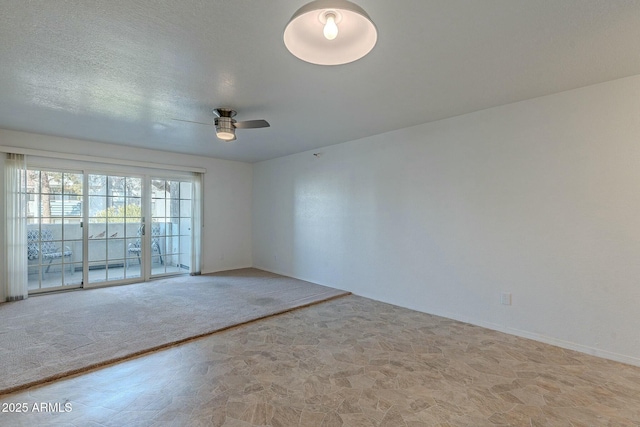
pixel 505 298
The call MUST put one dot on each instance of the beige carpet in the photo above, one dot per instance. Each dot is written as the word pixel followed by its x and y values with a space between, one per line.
pixel 51 336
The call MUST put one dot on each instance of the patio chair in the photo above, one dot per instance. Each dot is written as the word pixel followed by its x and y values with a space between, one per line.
pixel 40 245
pixel 136 247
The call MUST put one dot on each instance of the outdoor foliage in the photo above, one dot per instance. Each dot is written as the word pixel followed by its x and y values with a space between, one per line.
pixel 118 213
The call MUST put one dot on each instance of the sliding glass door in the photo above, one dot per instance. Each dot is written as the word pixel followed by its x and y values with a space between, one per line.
pixel 89 228
pixel 54 229
pixel 115 228
pixel 171 225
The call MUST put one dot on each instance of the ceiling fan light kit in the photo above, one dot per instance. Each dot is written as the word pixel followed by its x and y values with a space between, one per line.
pixel 330 32
pixel 224 123
pixel 224 129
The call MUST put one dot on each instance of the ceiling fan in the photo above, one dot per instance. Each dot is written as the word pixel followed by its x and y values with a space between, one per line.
pixel 226 125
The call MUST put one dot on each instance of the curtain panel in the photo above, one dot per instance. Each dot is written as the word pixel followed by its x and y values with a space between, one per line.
pixel 16 227
pixel 196 238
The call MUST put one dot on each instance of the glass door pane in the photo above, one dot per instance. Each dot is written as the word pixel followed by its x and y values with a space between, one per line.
pixel 170 226
pixel 54 233
pixel 115 228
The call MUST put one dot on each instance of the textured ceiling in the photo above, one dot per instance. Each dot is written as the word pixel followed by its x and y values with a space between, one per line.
pixel 119 71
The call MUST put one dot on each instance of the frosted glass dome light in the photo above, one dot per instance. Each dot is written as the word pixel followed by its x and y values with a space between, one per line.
pixel 330 32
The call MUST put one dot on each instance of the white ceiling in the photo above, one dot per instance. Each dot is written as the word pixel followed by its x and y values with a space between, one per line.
pixel 118 71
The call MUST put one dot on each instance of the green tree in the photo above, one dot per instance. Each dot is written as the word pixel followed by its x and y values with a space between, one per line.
pixel 118 213
pixel 48 184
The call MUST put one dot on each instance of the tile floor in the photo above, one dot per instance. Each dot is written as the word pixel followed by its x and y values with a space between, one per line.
pixel 346 362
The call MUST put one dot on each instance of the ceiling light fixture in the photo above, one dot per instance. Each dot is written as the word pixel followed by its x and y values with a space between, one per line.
pixel 330 32
pixel 224 128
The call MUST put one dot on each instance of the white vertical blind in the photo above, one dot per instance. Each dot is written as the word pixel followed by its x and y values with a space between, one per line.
pixel 196 235
pixel 16 227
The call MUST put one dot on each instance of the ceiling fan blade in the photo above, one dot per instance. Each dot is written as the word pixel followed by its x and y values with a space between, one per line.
pixel 189 121
pixel 252 124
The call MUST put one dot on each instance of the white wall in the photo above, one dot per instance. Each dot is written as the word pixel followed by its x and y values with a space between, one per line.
pixel 227 192
pixel 540 198
pixel 3 272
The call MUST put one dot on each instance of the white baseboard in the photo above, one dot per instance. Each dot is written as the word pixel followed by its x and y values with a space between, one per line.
pixel 605 354
pixel 228 268
pixel 284 273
